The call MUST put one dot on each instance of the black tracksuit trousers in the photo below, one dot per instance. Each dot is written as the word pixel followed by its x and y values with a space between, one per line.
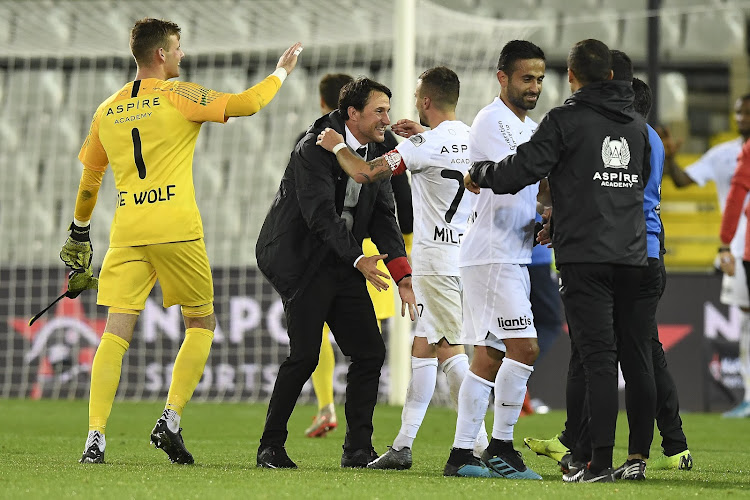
pixel 576 436
pixel 602 303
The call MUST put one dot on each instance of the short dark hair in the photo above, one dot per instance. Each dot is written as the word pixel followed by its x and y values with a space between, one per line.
pixel 590 61
pixel 357 92
pixel 330 87
pixel 643 97
pixel 622 66
pixel 442 86
pixel 745 97
pixel 149 34
pixel 516 50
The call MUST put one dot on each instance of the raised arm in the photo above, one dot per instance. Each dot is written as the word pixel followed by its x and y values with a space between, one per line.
pixel 256 97
pixel 355 167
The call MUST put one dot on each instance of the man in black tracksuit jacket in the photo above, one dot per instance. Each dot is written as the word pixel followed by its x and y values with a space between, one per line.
pixel 575 436
pixel 595 152
pixel 310 249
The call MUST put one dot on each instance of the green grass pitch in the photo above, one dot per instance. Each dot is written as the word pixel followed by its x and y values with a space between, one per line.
pixel 41 442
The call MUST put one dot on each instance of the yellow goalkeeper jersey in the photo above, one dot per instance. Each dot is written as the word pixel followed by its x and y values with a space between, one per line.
pixel 147 133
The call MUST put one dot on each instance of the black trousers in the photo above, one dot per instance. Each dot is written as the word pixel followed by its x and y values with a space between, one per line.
pixel 601 302
pixel 338 296
pixel 576 434
pixel 545 306
pixel 634 350
pixel 667 402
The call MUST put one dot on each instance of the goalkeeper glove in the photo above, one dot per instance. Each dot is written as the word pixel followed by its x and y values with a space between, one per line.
pixel 77 251
pixel 77 282
pixel 80 281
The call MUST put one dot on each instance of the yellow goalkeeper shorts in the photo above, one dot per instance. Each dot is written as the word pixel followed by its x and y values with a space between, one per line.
pixel 129 273
pixel 381 301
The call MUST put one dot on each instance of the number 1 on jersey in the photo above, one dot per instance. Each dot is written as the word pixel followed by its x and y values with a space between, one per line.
pixel 138 153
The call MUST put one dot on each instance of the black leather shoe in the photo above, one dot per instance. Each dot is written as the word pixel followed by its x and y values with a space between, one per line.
pixel 358 458
pixel 274 457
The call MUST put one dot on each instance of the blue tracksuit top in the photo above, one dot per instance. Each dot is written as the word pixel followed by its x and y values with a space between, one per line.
pixel 652 194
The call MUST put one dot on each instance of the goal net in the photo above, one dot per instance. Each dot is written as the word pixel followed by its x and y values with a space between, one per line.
pixel 61 59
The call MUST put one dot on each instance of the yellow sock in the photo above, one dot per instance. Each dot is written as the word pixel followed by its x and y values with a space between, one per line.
pixel 188 367
pixel 105 377
pixel 322 377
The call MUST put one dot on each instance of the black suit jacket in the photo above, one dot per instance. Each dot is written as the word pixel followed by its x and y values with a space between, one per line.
pixel 304 224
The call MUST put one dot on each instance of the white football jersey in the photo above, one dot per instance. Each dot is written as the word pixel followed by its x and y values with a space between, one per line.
pixel 502 229
pixel 718 165
pixel 438 160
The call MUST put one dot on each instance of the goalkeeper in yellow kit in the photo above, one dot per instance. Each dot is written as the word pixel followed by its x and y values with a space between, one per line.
pixel 147 132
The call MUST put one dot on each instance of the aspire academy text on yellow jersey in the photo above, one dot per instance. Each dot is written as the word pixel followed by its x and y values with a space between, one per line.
pixel 147 133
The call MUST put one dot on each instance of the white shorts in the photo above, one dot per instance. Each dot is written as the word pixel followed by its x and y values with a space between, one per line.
pixel 439 308
pixel 734 288
pixel 496 304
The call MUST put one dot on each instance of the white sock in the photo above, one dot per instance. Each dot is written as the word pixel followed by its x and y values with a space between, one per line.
pixel 173 420
pixel 95 437
pixel 455 369
pixel 745 353
pixel 418 396
pixel 510 390
pixel 472 407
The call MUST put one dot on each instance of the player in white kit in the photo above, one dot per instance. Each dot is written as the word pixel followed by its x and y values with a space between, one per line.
pixel 718 165
pixel 438 159
pixel 493 259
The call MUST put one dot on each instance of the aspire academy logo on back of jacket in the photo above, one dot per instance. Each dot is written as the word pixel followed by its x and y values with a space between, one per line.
pixel 616 154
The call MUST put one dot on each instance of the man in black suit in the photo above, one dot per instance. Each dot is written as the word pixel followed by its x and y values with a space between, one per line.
pixel 325 420
pixel 310 249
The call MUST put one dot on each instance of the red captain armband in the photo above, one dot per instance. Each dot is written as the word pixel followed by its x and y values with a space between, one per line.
pixel 399 268
pixel 395 162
